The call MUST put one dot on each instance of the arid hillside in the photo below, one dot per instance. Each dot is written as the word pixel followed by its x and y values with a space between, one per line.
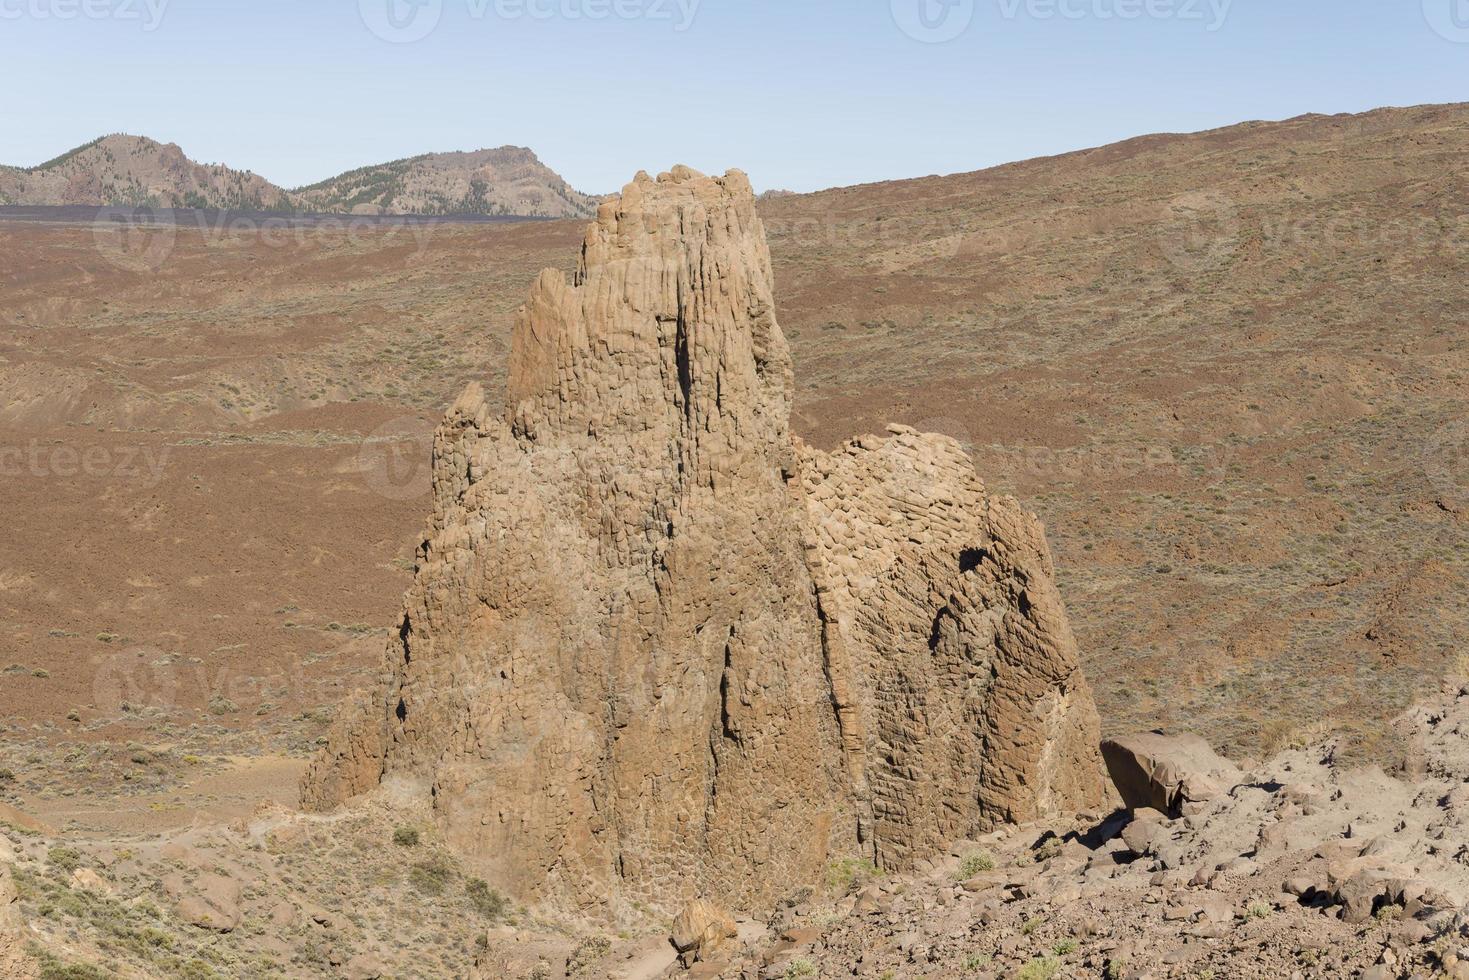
pixel 134 171
pixel 1228 369
pixel 508 180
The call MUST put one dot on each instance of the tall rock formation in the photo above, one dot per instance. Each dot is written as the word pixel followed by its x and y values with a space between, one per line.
pixel 657 648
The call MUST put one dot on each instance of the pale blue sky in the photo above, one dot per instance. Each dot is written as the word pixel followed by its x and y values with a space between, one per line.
pixel 802 94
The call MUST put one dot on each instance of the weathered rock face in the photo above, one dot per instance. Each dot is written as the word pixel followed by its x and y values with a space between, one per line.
pixel 15 961
pixel 1170 773
pixel 658 649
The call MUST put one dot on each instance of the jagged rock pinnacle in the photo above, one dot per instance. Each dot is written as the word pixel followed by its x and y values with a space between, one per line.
pixel 658 649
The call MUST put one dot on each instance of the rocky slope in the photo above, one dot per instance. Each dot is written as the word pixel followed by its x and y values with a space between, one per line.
pixel 657 648
pixel 1298 867
pixel 1302 867
pixel 508 180
pixel 133 171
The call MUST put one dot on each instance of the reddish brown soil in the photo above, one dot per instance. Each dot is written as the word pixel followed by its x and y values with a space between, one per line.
pixel 1229 370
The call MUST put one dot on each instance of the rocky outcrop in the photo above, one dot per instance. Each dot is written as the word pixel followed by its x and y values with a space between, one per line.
pixel 700 930
pixel 657 649
pixel 1170 773
pixel 14 960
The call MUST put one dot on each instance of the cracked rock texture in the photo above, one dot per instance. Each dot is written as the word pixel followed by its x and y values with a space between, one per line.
pixel 657 649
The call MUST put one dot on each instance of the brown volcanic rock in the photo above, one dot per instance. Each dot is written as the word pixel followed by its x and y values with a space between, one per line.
pixel 1167 772
pixel 657 649
pixel 15 962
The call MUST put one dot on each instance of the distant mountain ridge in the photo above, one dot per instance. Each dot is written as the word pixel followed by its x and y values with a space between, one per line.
pixel 507 180
pixel 133 171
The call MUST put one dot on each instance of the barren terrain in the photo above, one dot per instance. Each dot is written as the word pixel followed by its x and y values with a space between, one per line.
pixel 1229 371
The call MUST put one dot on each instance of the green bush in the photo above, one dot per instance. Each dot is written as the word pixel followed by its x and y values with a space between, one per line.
pixel 844 873
pixel 406 836
pixel 587 952
pixel 485 900
pixel 975 863
pixel 64 858
pixel 431 877
pixel 1040 968
pixel 54 969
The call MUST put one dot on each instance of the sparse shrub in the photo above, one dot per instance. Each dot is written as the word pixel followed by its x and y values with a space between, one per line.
pixel 1115 969
pixel 1040 968
pixel 845 873
pixel 7 776
pixel 1258 910
pixel 1031 925
pixel 976 961
pixel 800 968
pixel 1048 848
pixel 406 836
pixel 222 706
pixel 64 858
pixel 486 901
pixel 55 969
pixel 975 863
pixel 1065 947
pixel 41 672
pixel 587 952
pixel 431 877
pixel 797 897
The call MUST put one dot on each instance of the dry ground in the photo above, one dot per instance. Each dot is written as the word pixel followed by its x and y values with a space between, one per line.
pixel 1229 370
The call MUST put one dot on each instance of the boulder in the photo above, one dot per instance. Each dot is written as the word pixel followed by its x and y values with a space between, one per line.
pixel 1170 773
pixel 700 930
pixel 1362 886
pixel 212 902
pixel 1145 838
